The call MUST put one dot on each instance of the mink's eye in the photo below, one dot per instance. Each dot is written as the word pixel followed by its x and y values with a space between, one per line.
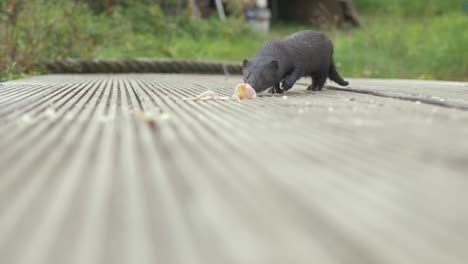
pixel 247 78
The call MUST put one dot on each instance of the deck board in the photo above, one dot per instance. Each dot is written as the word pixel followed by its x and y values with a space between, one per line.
pixel 305 177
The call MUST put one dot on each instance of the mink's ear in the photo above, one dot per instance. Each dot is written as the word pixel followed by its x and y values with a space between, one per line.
pixel 274 64
pixel 245 63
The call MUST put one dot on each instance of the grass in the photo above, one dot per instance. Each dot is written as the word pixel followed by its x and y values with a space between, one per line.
pixel 421 39
pixel 422 48
pixel 416 48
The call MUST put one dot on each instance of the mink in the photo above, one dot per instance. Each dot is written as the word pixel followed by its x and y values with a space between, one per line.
pixel 304 53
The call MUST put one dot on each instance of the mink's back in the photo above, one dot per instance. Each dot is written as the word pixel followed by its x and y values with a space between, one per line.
pixel 311 50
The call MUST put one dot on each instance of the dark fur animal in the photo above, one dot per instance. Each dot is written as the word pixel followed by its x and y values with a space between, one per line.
pixel 305 53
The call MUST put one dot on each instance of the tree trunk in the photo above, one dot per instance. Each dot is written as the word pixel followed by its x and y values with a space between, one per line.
pixel 317 12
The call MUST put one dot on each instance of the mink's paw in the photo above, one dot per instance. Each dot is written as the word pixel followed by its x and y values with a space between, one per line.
pixel 278 90
pixel 314 88
pixel 287 84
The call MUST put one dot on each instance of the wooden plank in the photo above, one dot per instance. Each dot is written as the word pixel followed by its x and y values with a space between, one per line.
pixel 327 177
pixel 442 92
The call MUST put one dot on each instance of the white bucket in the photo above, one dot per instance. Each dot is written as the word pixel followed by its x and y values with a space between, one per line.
pixel 259 19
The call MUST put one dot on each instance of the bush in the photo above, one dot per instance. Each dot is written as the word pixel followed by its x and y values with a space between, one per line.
pixel 40 30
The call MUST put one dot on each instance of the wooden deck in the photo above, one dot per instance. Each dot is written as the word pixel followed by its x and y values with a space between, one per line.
pixel 375 173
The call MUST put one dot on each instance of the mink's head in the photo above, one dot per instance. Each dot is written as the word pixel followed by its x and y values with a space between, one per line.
pixel 261 74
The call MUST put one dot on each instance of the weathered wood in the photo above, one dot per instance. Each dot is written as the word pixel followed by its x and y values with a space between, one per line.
pixel 313 177
pixel 440 93
pixel 453 91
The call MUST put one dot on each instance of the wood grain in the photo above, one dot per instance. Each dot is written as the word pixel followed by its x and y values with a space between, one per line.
pixel 306 177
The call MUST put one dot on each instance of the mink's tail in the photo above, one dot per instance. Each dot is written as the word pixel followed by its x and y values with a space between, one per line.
pixel 334 76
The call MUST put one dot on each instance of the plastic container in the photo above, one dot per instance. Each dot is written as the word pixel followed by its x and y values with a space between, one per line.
pixel 259 19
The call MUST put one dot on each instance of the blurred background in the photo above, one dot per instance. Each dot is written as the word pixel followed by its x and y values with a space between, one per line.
pixel 417 39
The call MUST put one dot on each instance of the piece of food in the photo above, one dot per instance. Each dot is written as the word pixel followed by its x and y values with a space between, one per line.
pixel 242 91
pixel 146 117
pixel 245 91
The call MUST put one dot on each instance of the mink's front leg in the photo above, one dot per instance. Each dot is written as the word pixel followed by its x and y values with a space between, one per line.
pixel 290 79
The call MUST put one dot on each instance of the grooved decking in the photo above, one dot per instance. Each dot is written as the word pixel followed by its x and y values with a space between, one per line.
pixel 374 173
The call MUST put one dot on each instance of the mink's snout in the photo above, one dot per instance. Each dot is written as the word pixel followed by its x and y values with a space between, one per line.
pixel 259 76
pixel 257 87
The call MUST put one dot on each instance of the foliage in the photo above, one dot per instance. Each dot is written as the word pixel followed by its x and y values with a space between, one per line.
pixel 40 30
pixel 411 39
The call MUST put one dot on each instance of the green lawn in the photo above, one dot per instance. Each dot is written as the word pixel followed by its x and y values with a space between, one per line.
pixel 385 47
pixel 423 48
